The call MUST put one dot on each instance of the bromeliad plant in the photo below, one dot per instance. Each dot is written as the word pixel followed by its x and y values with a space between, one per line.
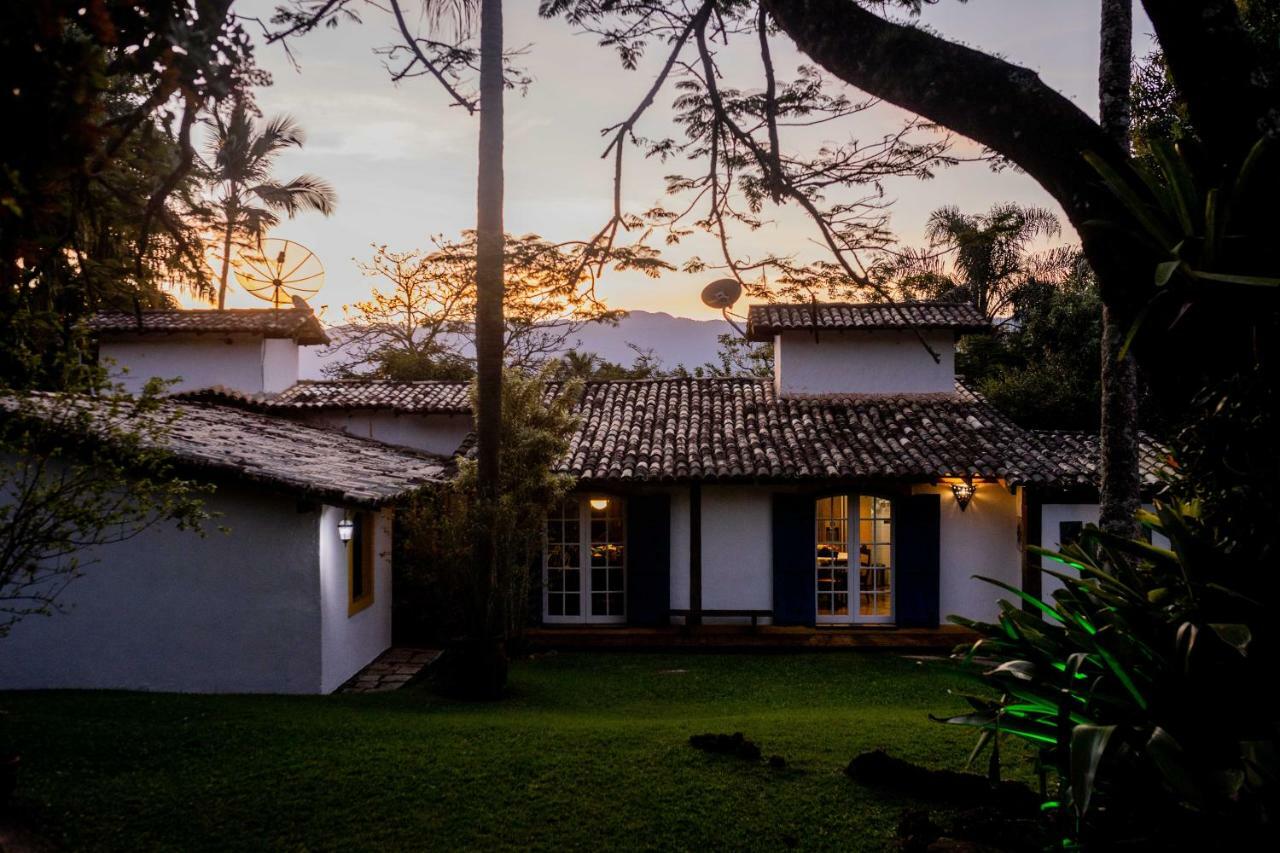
pixel 1143 684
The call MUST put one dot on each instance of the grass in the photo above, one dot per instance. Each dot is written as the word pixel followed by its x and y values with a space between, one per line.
pixel 590 751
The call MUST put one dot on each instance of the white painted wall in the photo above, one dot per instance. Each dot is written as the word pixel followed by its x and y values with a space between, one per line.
pixel 279 364
pixel 1051 516
pixel 981 540
pixel 200 362
pixel 167 610
pixel 250 364
pixel 348 642
pixel 863 362
pixel 737 550
pixel 440 434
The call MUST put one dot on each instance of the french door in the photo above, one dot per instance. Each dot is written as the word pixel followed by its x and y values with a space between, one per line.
pixel 857 590
pixel 584 562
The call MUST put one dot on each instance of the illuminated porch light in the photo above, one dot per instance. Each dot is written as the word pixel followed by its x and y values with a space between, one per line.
pixel 600 504
pixel 346 528
pixel 963 493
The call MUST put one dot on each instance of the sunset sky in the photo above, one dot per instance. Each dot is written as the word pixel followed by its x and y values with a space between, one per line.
pixel 403 161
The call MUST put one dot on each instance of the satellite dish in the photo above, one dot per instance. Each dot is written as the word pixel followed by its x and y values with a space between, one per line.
pixel 721 293
pixel 281 272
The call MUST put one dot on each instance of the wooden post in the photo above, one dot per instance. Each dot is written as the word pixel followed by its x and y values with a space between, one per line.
pixel 695 555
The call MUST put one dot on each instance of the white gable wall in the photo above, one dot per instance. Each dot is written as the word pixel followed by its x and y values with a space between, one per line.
pixel 168 610
pixel 863 362
pixel 279 364
pixel 249 364
pixel 439 434
pixel 199 362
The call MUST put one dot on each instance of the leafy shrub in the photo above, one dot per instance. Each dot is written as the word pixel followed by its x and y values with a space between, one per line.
pixel 440 593
pixel 1145 685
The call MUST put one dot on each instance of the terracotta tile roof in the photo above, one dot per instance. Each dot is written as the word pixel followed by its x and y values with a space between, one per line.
pixel 764 321
pixel 297 323
pixel 1075 457
pixel 738 430
pixel 422 398
pixel 315 462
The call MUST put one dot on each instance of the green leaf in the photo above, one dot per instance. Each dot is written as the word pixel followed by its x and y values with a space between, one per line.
pixel 1164 272
pixel 1230 278
pixel 1088 744
pixel 1235 635
pixel 1182 185
pixel 1150 218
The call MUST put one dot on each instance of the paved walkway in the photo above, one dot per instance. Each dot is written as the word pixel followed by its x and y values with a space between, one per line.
pixel 392 670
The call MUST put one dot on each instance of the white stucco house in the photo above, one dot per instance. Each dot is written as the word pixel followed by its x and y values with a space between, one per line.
pixel 859 489
pixel 864 484
pixel 278 603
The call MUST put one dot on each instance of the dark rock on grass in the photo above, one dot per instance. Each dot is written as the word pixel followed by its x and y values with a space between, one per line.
pixel 734 744
pixel 777 762
pixel 878 769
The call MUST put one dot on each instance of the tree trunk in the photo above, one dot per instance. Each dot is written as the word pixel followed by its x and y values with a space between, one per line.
pixel 226 257
pixel 1120 491
pixel 489 294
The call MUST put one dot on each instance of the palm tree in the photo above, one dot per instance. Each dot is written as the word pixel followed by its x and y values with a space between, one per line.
pixel 248 200
pixel 991 256
pixel 490 262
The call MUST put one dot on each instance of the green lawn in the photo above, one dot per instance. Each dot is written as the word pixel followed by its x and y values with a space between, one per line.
pixel 590 751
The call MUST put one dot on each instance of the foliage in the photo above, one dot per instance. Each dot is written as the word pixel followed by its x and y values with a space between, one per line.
pixel 599 736
pixel 987 252
pixel 97 166
pixel 79 471
pixel 437 580
pixel 246 199
pixel 424 326
pixel 584 366
pixel 1144 682
pixel 736 357
pixel 1041 366
pixel 731 141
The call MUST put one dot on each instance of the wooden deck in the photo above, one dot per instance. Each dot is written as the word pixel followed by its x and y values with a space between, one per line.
pixel 744 637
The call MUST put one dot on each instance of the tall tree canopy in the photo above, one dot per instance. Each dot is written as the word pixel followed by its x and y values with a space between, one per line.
pixel 424 326
pixel 247 199
pixel 97 162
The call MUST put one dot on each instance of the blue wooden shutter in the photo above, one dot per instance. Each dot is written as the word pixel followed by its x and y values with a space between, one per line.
pixel 649 560
pixel 917 550
pixel 793 560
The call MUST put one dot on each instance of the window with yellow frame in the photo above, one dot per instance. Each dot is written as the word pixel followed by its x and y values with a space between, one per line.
pixel 360 563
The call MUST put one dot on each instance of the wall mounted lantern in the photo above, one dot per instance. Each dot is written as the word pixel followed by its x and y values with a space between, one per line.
pixel 600 504
pixel 346 528
pixel 963 493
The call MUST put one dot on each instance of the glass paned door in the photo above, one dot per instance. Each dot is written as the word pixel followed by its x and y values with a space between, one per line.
pixel 863 525
pixel 833 559
pixel 591 529
pixel 875 559
pixel 563 580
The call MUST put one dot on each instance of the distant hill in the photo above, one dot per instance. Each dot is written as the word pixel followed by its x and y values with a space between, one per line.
pixel 674 340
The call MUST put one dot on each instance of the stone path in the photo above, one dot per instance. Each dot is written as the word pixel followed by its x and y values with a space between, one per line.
pixel 393 669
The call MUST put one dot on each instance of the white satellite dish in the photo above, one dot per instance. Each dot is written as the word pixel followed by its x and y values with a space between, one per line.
pixel 721 293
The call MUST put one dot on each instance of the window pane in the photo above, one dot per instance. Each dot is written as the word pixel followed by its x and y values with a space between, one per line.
pixel 841 604
pixel 572 529
pixel 841 580
pixel 572 606
pixel 555 605
pixel 571 556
